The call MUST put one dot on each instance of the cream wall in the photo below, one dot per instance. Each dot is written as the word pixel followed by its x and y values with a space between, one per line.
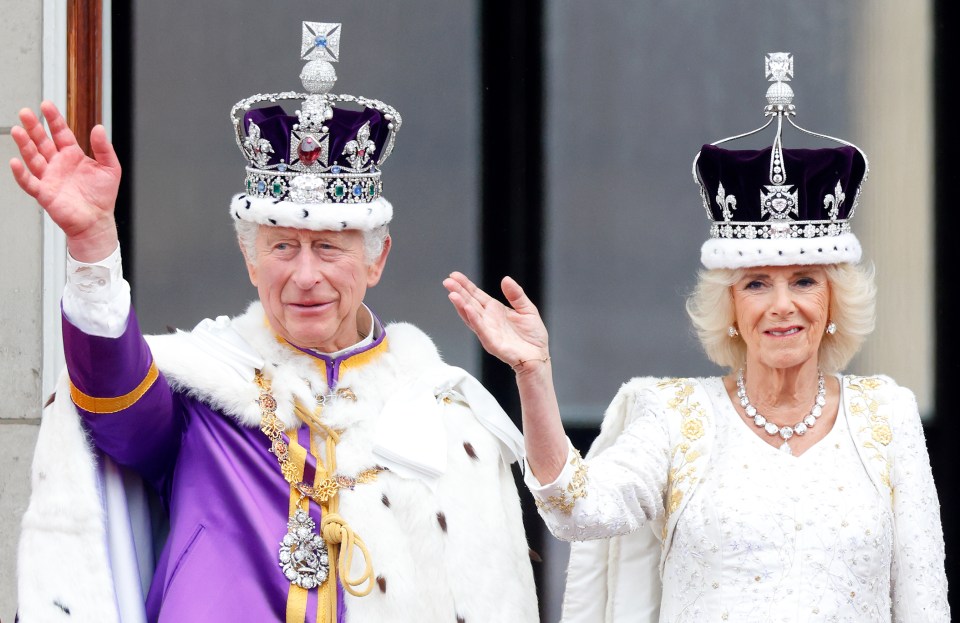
pixel 21 34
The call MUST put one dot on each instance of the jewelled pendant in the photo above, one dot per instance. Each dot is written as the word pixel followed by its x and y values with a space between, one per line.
pixel 785 448
pixel 303 553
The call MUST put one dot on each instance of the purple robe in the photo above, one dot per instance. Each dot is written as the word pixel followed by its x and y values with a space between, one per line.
pixel 228 503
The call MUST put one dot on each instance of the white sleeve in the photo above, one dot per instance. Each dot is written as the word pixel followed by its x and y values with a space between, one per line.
pixel 96 297
pixel 614 493
pixel 919 583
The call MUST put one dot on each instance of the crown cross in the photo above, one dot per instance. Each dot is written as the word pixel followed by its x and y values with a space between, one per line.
pixel 779 202
pixel 320 41
pixel 778 66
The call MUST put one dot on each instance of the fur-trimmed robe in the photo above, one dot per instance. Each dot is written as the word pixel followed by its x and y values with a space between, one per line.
pixel 443 549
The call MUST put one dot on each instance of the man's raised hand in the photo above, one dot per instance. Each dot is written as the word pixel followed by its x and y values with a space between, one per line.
pixel 79 193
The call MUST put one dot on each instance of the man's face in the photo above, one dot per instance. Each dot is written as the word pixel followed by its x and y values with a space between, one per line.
pixel 311 283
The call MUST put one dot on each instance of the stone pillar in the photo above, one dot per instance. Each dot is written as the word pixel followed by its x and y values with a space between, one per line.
pixel 893 89
pixel 21 255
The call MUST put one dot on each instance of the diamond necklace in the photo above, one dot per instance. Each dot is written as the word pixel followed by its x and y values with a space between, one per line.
pixel 785 432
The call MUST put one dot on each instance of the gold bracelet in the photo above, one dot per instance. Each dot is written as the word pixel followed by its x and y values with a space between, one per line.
pixel 520 363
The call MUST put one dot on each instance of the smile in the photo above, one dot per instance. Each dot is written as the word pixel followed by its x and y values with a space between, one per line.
pixel 308 306
pixel 784 333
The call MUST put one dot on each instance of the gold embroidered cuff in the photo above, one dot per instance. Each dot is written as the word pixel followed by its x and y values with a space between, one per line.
pixel 119 403
pixel 575 489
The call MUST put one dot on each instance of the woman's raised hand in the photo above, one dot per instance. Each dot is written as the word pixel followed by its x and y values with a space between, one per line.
pixel 79 193
pixel 512 334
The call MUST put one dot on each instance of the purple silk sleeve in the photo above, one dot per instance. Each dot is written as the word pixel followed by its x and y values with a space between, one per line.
pixel 143 435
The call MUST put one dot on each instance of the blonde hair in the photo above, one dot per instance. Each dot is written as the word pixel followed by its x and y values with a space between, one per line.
pixel 852 308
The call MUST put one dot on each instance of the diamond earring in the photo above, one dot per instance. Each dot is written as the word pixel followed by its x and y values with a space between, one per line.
pixel 732 331
pixel 831 328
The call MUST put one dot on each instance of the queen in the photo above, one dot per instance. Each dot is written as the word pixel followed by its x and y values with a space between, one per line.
pixel 781 491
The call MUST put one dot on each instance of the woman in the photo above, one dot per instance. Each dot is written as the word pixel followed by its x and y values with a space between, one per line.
pixel 781 491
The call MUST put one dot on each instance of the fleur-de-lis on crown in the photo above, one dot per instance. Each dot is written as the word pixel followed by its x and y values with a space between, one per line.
pixel 258 149
pixel 727 204
pixel 832 202
pixel 358 151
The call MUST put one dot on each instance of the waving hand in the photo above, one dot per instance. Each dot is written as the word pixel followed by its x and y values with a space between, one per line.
pixel 512 334
pixel 79 193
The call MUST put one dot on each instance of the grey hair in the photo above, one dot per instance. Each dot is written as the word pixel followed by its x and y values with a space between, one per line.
pixel 852 308
pixel 373 240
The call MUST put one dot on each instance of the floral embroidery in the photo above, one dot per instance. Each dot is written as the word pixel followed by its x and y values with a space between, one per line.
pixel 692 429
pixel 882 434
pixel 682 474
pixel 576 489
pixel 865 406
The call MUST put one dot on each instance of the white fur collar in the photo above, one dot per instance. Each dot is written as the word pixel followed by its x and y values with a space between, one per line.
pixel 215 363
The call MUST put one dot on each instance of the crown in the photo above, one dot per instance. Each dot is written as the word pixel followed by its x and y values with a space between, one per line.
pixel 776 206
pixel 318 168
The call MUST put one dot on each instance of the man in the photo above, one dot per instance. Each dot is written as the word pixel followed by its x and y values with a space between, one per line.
pixel 316 465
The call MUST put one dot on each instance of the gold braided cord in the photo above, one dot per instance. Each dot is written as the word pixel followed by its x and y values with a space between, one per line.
pixel 336 530
pixel 327 591
pixel 313 421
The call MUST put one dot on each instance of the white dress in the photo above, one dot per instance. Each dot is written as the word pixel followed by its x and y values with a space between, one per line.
pixel 764 536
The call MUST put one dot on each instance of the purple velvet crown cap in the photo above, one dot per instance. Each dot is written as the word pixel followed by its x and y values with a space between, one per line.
pixel 276 126
pixel 813 174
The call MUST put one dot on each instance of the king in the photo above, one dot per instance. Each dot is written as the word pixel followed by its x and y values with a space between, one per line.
pixel 314 463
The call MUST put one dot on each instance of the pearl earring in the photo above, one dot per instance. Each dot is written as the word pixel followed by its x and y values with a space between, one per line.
pixel 732 332
pixel 831 328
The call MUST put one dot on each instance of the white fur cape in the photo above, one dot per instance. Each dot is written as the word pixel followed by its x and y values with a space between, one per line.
pixel 446 538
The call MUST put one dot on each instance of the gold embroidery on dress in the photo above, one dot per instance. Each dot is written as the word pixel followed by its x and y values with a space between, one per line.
pixel 865 405
pixel 576 489
pixel 682 474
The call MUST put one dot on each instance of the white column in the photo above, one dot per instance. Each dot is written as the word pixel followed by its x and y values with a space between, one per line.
pixel 893 89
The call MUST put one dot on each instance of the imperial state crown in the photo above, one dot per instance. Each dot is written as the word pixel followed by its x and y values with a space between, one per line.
pixel 319 167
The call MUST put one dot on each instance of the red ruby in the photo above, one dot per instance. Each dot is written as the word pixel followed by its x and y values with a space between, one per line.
pixel 308 151
pixel 360 153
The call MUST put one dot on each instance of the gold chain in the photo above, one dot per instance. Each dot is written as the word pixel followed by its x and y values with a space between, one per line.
pixel 272 427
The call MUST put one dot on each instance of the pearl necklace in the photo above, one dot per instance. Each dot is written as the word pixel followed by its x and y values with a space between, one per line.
pixel 785 432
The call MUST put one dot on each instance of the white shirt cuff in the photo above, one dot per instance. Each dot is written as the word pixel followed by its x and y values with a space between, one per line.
pixel 96 297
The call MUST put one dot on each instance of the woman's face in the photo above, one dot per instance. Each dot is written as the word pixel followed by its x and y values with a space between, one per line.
pixel 781 313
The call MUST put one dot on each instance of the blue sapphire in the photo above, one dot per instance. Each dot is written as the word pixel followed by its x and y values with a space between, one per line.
pixel 261 187
pixel 357 190
pixel 321 41
pixel 281 167
pixel 335 169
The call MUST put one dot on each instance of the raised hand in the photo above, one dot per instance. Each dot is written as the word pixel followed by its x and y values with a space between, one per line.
pixel 512 334
pixel 79 193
